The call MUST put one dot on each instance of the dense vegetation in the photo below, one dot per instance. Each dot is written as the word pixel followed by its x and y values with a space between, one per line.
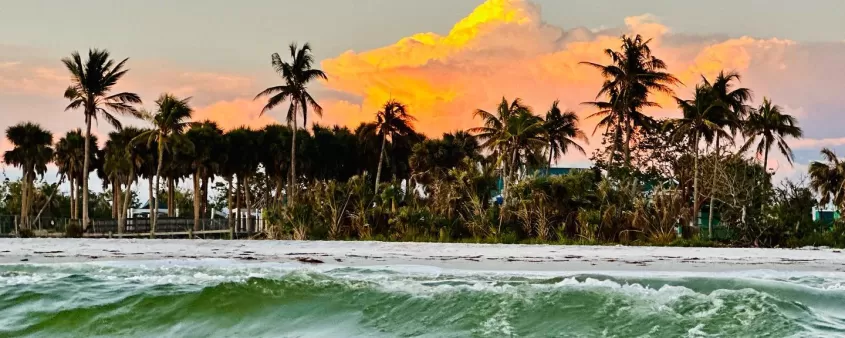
pixel 653 181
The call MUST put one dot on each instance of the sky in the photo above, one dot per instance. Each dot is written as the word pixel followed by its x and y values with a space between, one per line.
pixel 444 58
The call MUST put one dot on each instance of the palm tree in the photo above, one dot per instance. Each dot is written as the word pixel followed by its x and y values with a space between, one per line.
pixel 733 110
pixel 122 164
pixel 561 129
pixel 632 75
pixel 32 152
pixel 297 74
pixel 828 178
pixel 90 89
pixel 772 126
pixel 204 162
pixel 245 158
pixel 69 158
pixel 392 120
pixel 698 123
pixel 171 120
pixel 494 134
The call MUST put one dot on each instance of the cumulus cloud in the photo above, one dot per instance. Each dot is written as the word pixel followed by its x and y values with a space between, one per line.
pixel 505 48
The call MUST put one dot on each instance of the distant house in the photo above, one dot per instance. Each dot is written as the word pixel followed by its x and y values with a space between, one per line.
pixel 827 214
pixel 144 210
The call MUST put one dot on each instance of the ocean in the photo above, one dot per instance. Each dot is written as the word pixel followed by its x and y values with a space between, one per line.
pixel 225 298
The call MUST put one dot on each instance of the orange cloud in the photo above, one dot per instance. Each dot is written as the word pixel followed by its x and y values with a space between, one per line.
pixel 235 113
pixel 504 48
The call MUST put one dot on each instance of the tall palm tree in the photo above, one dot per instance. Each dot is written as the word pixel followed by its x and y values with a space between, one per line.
pixel 32 152
pixel 494 134
pixel 245 157
pixel 732 110
pixel 90 89
pixel 561 129
pixel 170 121
pixel 392 121
pixel 297 74
pixel 633 74
pixel 772 126
pixel 698 123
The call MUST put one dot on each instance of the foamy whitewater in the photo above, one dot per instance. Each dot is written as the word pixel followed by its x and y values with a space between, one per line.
pixel 274 294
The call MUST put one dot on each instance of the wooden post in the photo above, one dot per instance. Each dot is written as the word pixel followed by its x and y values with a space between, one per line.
pixel 191 233
pixel 110 234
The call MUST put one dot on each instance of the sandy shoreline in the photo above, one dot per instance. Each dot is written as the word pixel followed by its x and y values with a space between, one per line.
pixel 490 257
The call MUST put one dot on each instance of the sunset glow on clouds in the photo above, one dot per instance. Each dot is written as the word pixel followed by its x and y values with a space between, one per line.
pixel 502 48
pixel 505 48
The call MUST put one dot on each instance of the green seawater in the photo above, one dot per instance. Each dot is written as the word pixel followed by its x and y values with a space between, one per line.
pixel 217 298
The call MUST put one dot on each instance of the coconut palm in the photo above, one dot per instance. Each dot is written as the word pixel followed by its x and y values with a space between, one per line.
pixel 69 158
pixel 772 126
pixel 297 74
pixel 31 152
pixel 90 89
pixel 633 74
pixel 245 157
pixel 170 121
pixel 122 164
pixel 733 110
pixel 561 129
pixel 204 161
pixel 828 178
pixel 392 121
pixel 699 122
pixel 494 133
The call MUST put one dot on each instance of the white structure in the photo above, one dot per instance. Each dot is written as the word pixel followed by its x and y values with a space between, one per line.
pixel 144 211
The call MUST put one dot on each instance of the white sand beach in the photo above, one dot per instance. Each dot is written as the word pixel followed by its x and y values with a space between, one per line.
pixel 489 257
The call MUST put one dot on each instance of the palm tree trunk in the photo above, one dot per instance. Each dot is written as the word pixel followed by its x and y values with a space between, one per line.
pixel 197 206
pixel 249 228
pixel 115 201
pixel 229 204
pixel 126 198
pixel 292 186
pixel 23 224
pixel 627 145
pixel 712 191
pixel 152 201
pixel 72 197
pixel 154 215
pixel 85 165
pixel 204 201
pixel 380 160
pixel 240 188
pixel 171 197
pixel 695 205
pixel 549 167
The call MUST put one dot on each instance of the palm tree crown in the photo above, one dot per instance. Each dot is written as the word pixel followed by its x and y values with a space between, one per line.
pixel 391 121
pixel 772 126
pixel 562 130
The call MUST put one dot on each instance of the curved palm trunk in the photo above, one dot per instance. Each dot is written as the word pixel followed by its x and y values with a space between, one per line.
pixel 85 165
pixel 151 187
pixel 127 196
pixel 549 167
pixel 380 161
pixel 154 205
pixel 197 206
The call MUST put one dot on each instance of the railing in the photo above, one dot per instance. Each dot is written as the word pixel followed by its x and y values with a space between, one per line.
pixel 50 226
